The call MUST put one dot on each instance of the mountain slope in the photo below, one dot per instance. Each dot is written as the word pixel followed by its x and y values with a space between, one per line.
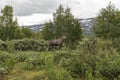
pixel 86 25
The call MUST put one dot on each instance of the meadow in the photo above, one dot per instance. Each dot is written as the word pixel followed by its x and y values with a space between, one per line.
pixel 30 60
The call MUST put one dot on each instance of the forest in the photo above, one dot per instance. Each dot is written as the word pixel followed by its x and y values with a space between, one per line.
pixel 25 54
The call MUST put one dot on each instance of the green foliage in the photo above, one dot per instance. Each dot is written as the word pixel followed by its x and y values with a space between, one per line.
pixel 48 31
pixel 3 45
pixel 37 62
pixel 77 68
pixel 63 23
pixel 71 61
pixel 27 33
pixel 7 62
pixel 24 45
pixel 109 66
pixel 59 74
pixel 107 24
pixel 36 35
pixel 91 59
pixel 116 44
pixel 78 64
pixel 34 60
pixel 100 63
pixel 8 26
pixel 60 56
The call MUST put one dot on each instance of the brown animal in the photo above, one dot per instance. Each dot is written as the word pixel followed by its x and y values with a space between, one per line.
pixel 56 42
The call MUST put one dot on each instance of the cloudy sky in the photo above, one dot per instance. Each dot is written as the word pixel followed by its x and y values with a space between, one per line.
pixel 29 12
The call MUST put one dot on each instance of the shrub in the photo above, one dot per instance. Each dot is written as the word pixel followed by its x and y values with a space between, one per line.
pixel 25 45
pixel 75 62
pixel 3 45
pixel 116 44
pixel 61 55
pixel 105 46
pixel 10 45
pixel 77 68
pixel 109 66
pixel 7 62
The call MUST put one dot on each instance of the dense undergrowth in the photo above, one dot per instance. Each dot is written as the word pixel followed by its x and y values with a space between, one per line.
pixel 89 61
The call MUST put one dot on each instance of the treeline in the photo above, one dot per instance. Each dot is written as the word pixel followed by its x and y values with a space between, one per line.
pixel 106 26
pixel 63 23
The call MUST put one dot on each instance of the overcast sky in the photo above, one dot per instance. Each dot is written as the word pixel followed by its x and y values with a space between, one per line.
pixel 31 12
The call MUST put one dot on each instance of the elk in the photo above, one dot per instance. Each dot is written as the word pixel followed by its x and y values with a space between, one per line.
pixel 56 42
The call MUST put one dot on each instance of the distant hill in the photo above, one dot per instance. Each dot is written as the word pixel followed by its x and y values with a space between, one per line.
pixel 86 25
pixel 37 27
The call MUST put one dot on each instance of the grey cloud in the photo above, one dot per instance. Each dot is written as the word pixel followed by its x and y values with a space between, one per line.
pixel 27 7
pixel 2 3
pixel 80 8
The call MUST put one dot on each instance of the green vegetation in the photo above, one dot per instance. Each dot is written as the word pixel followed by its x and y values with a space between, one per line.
pixel 63 23
pixel 107 24
pixel 81 63
pixel 92 58
pixel 9 28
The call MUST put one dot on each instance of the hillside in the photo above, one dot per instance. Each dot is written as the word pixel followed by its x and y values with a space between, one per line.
pixel 85 23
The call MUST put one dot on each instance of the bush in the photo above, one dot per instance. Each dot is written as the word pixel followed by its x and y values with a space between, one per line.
pixel 109 66
pixel 61 56
pixel 3 45
pixel 76 62
pixel 78 68
pixel 116 44
pixel 10 45
pixel 7 62
pixel 25 45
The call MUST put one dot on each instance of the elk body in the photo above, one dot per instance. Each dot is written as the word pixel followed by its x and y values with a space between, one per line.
pixel 56 42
